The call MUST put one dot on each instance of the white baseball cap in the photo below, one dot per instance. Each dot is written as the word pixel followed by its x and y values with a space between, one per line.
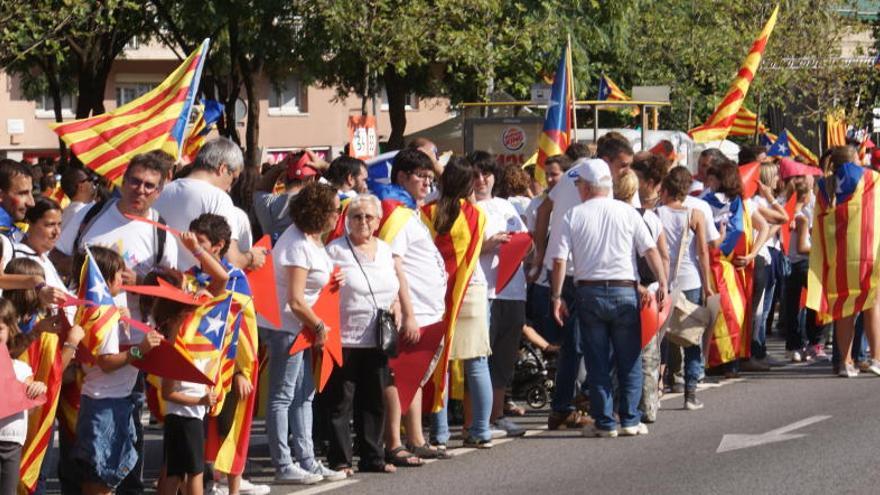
pixel 595 172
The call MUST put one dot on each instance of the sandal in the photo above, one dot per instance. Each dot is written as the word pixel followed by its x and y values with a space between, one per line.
pixel 401 457
pixel 427 452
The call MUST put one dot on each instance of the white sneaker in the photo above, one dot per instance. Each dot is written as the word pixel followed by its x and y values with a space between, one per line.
pixel 497 433
pixel 218 490
pixel 326 473
pixel 848 371
pixel 296 475
pixel 874 366
pixel 592 431
pixel 632 431
pixel 794 356
pixel 245 487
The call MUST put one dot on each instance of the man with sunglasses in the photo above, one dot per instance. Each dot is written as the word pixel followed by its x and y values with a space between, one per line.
pixel 206 190
pixel 81 189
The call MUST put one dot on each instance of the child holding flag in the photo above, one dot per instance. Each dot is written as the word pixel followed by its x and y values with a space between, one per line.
pixel 105 430
pixel 186 402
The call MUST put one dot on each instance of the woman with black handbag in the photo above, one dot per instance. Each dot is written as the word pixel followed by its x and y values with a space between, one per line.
pixel 368 305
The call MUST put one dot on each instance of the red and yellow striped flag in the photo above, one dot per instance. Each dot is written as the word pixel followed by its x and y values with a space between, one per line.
pixel 717 126
pixel 799 150
pixel 44 358
pixel 156 121
pixel 460 248
pixel 844 262
pixel 745 122
pixel 835 129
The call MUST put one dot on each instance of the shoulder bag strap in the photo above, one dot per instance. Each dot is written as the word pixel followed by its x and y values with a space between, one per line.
pixel 354 255
pixel 685 240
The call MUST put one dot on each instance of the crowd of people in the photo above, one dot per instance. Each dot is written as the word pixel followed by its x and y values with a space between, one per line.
pixel 613 231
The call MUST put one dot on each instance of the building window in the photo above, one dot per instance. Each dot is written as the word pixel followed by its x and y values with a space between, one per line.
pixel 128 92
pixel 412 102
pixel 45 108
pixel 287 98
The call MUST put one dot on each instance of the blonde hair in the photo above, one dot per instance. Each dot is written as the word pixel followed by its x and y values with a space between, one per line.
pixel 626 185
pixel 767 172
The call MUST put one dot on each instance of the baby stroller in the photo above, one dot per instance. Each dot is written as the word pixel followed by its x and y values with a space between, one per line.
pixel 532 377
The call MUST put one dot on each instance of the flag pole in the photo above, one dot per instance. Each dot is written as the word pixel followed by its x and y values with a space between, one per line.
pixel 574 122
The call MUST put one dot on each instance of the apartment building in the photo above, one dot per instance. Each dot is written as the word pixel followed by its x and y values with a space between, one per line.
pixel 293 115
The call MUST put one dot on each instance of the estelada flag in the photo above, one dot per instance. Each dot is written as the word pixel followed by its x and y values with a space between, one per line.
pixel 610 91
pixel 156 121
pixel 718 125
pixel 210 112
pixel 98 316
pixel 460 249
pixel 835 129
pixel 556 135
pixel 729 339
pixel 844 262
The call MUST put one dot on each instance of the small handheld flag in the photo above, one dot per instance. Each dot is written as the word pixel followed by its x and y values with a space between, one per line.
pixel 99 315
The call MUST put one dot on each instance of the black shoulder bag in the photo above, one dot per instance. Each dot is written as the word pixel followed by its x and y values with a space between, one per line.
pixel 386 327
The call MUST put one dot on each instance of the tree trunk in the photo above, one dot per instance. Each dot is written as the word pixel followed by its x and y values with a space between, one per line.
pixel 395 89
pixel 252 132
pixel 57 106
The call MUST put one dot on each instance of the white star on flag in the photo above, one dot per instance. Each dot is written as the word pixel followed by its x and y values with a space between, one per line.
pixel 100 291
pixel 214 325
pixel 783 149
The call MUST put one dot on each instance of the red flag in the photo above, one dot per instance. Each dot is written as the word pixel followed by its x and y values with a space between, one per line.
pixel 327 309
pixel 413 360
pixel 168 361
pixel 750 173
pixel 15 398
pixel 262 283
pixel 510 256
pixel 785 231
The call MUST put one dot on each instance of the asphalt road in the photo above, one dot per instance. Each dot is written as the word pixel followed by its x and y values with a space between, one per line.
pixel 836 453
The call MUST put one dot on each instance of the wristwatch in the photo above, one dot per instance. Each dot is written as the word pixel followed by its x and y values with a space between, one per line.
pixel 135 352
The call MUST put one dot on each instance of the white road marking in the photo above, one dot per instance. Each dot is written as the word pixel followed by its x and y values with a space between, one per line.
pixel 736 442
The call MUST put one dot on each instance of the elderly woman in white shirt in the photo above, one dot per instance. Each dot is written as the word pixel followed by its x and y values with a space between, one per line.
pixel 366 263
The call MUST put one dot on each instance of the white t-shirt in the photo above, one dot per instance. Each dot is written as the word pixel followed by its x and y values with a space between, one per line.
pixel 244 235
pixel 603 236
pixel 193 390
pixel 294 249
pixel 135 241
pixel 703 207
pixel 116 384
pixel 184 200
pixel 356 306
pixel 424 269
pixel 501 216
pixel 530 216
pixel 793 255
pixel 71 211
pixel 520 203
pixel 755 203
pixel 675 222
pixel 14 428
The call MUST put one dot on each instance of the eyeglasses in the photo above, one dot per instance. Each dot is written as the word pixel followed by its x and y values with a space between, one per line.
pixel 363 217
pixel 425 176
pixel 135 183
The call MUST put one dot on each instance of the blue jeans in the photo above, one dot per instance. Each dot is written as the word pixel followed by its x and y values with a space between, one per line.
pixel 570 355
pixel 693 359
pixel 540 315
pixel 479 389
pixel 291 392
pixel 611 336
pixel 763 291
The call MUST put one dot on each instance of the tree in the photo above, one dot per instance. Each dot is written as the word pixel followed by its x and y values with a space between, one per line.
pixel 697 47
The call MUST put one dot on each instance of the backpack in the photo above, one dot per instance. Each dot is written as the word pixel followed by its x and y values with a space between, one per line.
pixel 91 216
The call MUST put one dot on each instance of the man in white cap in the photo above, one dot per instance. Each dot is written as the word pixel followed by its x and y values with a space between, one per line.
pixel 604 236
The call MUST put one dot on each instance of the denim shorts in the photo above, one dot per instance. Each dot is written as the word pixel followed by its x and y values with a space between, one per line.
pixel 105 439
